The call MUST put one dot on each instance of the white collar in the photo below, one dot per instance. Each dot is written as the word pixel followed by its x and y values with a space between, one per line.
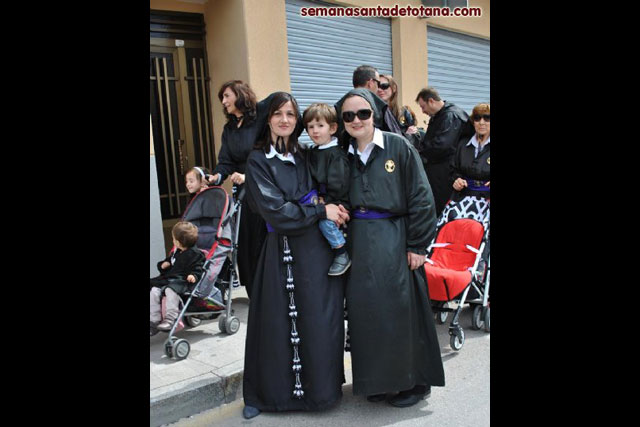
pixel 332 143
pixel 273 153
pixel 474 141
pixel 378 139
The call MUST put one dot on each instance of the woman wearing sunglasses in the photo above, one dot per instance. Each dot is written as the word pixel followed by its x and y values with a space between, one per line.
pixel 472 163
pixel 295 331
pixel 388 91
pixel 394 346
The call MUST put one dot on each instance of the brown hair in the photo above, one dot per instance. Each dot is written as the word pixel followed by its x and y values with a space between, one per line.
pixel 427 93
pixel 278 100
pixel 393 100
pixel 186 233
pixel 319 111
pixel 245 98
pixel 197 173
pixel 480 109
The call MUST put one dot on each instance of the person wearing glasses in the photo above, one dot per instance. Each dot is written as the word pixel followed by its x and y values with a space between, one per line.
pixel 388 91
pixel 394 345
pixel 447 124
pixel 472 163
pixel 367 77
pixel 295 330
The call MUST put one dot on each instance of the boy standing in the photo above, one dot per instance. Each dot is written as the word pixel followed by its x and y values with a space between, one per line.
pixel 183 266
pixel 329 168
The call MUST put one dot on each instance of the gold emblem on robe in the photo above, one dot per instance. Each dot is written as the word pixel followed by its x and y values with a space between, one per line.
pixel 488 162
pixel 390 166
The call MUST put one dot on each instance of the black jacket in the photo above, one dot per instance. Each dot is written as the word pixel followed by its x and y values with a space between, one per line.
pixel 186 262
pixel 330 170
pixel 445 129
pixel 464 165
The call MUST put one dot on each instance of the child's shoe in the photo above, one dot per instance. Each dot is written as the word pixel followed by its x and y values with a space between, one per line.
pixel 341 263
pixel 165 325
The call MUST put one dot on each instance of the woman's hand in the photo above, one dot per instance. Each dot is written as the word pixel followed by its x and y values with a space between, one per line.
pixel 213 178
pixel 415 261
pixel 191 278
pixel 459 184
pixel 411 130
pixel 337 214
pixel 165 265
pixel 237 178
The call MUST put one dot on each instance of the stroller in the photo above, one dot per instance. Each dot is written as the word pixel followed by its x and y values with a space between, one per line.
pixel 217 217
pixel 458 263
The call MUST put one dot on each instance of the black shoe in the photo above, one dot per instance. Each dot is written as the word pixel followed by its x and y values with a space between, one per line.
pixel 153 328
pixel 341 263
pixel 249 412
pixel 377 397
pixel 405 399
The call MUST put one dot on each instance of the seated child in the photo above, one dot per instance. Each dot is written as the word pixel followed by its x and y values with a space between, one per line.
pixel 181 268
pixel 329 168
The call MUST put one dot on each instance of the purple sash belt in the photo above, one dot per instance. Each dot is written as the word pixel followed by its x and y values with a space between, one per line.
pixel 364 213
pixel 476 185
pixel 311 198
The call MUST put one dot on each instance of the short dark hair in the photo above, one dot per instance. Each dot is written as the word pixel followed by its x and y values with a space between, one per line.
pixel 185 233
pixel 319 111
pixel 246 100
pixel 363 74
pixel 264 141
pixel 428 92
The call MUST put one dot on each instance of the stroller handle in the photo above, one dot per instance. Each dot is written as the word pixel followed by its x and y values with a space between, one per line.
pixel 241 194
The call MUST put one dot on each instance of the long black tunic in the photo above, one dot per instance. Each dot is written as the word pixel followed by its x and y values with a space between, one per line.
pixel 268 383
pixel 330 167
pixel 237 143
pixel 437 148
pixel 394 345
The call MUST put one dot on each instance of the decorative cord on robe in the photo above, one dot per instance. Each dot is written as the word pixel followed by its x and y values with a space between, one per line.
pixel 293 314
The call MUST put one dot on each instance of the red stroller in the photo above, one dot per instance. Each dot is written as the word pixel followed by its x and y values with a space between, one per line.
pixel 218 221
pixel 458 262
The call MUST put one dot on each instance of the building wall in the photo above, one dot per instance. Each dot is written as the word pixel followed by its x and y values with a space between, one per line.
pixel 156 243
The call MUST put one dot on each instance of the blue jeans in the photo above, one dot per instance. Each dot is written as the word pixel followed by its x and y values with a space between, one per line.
pixel 332 233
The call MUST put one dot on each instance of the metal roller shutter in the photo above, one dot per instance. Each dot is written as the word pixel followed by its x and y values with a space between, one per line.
pixel 458 67
pixel 324 51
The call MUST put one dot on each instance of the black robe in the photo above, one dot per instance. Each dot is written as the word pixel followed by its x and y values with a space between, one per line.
pixel 394 345
pixel 330 168
pixel 269 379
pixel 438 147
pixel 237 143
pixel 466 166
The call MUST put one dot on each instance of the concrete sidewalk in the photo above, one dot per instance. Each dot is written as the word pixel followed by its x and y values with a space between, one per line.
pixel 210 376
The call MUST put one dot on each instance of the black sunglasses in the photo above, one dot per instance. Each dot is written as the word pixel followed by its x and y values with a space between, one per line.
pixel 384 86
pixel 349 116
pixel 486 117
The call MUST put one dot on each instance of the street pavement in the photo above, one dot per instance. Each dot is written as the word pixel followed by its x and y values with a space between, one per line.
pixel 464 401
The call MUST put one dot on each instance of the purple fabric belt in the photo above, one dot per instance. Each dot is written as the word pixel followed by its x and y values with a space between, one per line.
pixel 311 198
pixel 476 185
pixel 364 213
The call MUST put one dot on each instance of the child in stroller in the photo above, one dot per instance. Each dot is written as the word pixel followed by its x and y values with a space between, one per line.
pixel 178 272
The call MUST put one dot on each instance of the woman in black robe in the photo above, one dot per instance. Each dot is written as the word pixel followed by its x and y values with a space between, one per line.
pixel 394 345
pixel 295 331
pixel 245 119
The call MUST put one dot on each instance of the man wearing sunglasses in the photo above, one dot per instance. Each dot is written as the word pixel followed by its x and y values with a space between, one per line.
pixel 448 123
pixel 367 77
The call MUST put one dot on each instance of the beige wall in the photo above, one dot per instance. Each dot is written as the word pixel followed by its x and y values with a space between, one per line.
pixel 177 6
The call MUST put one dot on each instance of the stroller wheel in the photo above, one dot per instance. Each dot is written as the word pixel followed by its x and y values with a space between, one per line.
pixel 457 340
pixel 192 321
pixel 222 323
pixel 477 319
pixel 487 319
pixel 441 317
pixel 168 347
pixel 233 325
pixel 181 349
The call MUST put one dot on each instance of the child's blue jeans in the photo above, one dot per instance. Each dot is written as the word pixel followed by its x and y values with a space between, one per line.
pixel 332 233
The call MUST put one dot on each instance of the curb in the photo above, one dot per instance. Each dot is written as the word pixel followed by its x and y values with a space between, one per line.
pixel 188 398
